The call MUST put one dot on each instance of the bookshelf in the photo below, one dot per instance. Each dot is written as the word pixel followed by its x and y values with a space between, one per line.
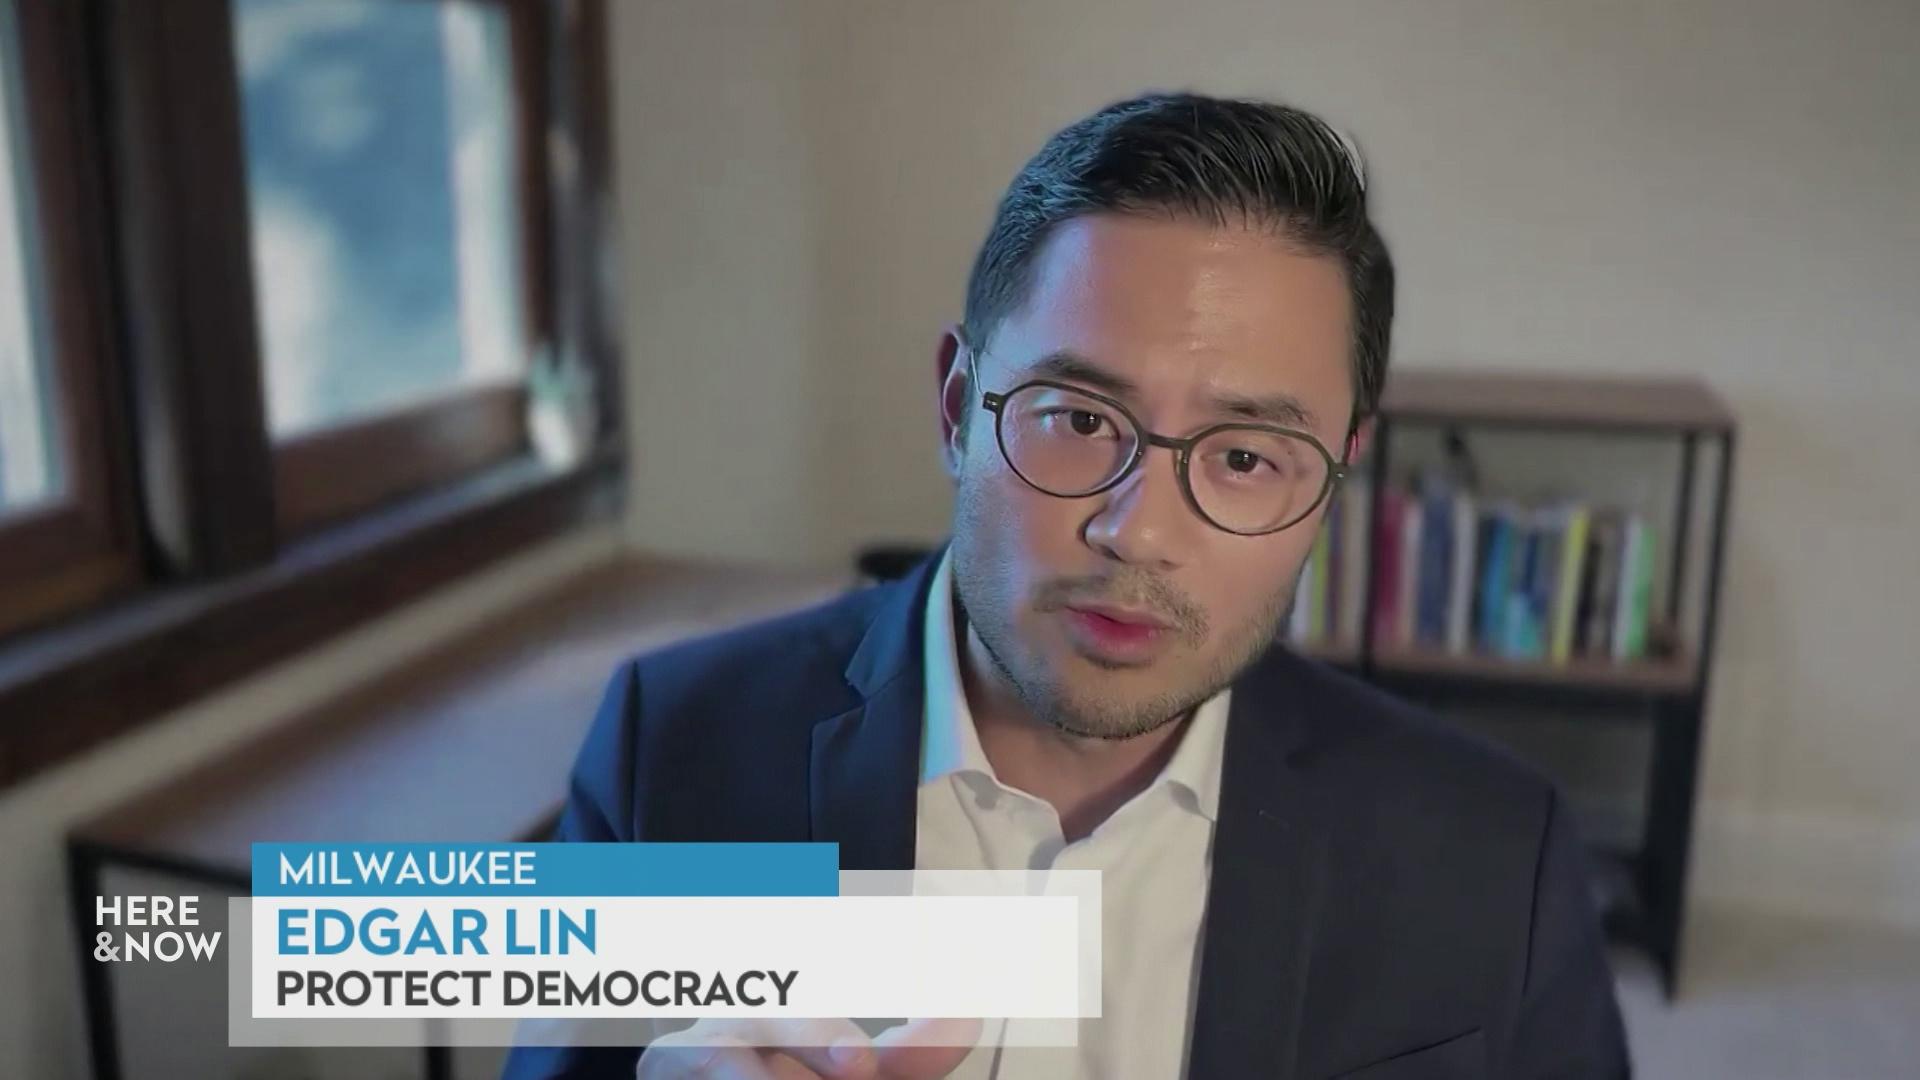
pixel 1661 682
pixel 1657 405
pixel 1660 675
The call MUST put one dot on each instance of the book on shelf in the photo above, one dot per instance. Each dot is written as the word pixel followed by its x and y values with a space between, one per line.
pixel 1386 561
pixel 1327 584
pixel 1601 598
pixel 1634 599
pixel 1322 594
pixel 1532 604
pixel 1434 567
pixel 1455 571
pixel 1466 549
pixel 1523 600
pixel 1566 594
pixel 1350 557
pixel 1499 524
pixel 1298 616
pixel 1407 581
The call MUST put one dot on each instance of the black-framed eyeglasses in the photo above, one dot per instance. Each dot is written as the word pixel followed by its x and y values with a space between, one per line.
pixel 1244 478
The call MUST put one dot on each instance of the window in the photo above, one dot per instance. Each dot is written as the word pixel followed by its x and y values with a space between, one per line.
pixel 280 281
pixel 29 454
pixel 383 174
pixel 381 157
pixel 61 542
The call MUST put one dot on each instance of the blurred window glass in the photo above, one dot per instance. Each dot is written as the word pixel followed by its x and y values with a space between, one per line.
pixel 30 466
pixel 382 156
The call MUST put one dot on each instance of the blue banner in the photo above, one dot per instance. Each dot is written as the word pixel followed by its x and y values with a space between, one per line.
pixel 803 869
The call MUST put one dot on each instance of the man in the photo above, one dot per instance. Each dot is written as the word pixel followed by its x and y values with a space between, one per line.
pixel 1175 334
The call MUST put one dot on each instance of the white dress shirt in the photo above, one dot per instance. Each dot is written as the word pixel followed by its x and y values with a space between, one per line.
pixel 1153 854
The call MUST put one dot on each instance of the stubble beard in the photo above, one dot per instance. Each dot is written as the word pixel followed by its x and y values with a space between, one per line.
pixel 984 596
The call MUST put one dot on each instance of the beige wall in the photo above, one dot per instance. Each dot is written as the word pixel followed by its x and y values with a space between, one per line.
pixel 1716 187
pixel 41 1035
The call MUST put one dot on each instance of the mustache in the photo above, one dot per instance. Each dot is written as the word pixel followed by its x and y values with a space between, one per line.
pixel 1139 591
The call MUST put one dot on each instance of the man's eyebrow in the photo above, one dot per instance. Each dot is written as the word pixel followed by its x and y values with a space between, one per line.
pixel 1282 410
pixel 1070 366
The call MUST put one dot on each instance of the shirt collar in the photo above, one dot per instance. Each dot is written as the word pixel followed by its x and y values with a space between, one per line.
pixel 950 744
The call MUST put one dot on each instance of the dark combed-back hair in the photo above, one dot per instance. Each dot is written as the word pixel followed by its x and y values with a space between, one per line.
pixel 1220 161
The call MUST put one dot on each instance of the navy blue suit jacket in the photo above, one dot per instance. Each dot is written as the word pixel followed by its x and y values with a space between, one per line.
pixel 1389 898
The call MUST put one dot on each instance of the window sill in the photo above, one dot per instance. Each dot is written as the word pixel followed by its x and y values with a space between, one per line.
pixel 75 685
pixel 471 742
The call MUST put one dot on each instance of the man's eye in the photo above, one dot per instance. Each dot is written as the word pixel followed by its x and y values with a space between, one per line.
pixel 1246 461
pixel 1078 421
pixel 1085 423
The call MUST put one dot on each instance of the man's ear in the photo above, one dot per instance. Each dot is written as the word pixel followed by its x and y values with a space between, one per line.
pixel 1358 441
pixel 956 391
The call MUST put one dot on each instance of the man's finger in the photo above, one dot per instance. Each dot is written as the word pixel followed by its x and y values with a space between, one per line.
pixel 710 1057
pixel 786 1067
pixel 925 1049
pixel 732 1063
pixel 833 1049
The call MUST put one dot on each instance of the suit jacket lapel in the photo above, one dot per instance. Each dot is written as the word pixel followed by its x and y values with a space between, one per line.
pixel 1264 892
pixel 865 764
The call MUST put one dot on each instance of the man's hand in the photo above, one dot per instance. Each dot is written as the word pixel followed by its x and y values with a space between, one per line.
pixel 808 1050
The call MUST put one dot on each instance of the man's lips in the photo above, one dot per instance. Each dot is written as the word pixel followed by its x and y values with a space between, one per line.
pixel 1115 635
pixel 1122 619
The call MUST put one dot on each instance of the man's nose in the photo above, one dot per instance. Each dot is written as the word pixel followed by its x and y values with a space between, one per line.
pixel 1144 520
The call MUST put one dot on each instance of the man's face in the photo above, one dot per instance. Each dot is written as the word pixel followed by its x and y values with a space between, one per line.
pixel 1177 320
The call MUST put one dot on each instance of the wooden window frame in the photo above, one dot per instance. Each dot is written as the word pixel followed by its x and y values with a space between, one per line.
pixel 76 549
pixel 247 558
pixel 346 468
